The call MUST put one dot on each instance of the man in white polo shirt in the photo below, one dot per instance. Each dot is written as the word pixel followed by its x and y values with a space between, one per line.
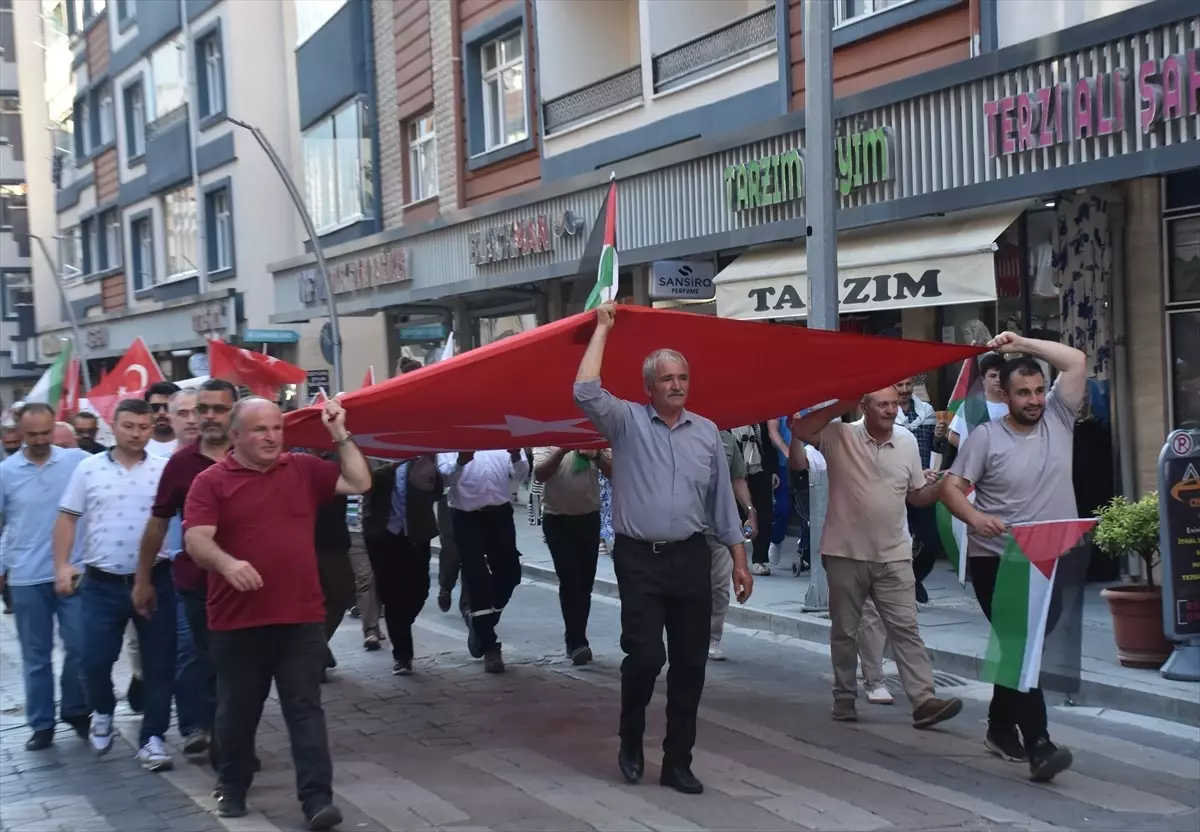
pixel 114 491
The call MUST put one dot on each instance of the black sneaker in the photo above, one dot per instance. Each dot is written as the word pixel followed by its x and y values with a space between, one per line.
pixel 81 725
pixel 402 667
pixel 493 660
pixel 1006 745
pixel 136 695
pixel 230 805
pixel 444 600
pixel 40 740
pixel 323 817
pixel 922 593
pixel 1046 760
pixel 581 655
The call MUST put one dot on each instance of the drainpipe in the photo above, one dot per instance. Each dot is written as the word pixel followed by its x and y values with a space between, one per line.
pixel 193 103
pixel 458 137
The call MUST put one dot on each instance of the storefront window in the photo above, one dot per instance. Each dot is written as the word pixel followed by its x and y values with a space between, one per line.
pixel 1182 218
pixel 1185 367
pixel 1183 247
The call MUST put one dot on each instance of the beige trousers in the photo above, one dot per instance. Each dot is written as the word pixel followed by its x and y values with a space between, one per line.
pixel 892 586
pixel 872 636
pixel 722 578
pixel 366 597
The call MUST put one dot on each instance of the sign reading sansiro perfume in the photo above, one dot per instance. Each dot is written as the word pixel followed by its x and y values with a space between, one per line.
pixel 1098 105
pixel 863 158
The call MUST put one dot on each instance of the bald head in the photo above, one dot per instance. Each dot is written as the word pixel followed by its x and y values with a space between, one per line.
pixel 257 430
pixel 252 405
pixel 64 435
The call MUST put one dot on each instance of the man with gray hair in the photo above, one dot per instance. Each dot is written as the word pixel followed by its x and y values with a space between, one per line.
pixel 670 485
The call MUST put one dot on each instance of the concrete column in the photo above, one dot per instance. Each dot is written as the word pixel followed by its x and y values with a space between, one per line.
pixel 641 285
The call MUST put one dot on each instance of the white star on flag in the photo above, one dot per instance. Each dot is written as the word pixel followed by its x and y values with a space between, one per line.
pixel 518 426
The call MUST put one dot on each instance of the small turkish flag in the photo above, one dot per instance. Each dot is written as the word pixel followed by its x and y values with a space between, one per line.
pixel 263 374
pixel 136 371
pixel 369 378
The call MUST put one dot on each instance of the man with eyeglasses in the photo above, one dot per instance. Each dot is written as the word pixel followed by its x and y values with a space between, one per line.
pixel 214 404
pixel 163 442
pixel 87 426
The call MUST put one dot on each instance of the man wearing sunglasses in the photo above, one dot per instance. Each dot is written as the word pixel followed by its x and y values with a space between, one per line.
pixel 163 441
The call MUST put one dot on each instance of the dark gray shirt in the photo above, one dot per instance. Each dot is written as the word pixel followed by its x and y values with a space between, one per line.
pixel 667 483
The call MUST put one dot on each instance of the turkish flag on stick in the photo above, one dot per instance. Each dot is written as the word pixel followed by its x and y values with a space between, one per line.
pixel 517 392
pixel 136 371
pixel 263 374
pixel 369 378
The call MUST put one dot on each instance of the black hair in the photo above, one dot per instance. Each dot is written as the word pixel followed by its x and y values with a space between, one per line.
pixel 35 407
pixel 991 361
pixel 1024 366
pixel 161 388
pixel 219 385
pixel 407 365
pixel 138 407
pixel 84 414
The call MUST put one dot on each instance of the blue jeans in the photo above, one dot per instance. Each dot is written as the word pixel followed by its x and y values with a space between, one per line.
pixel 194 702
pixel 35 608
pixel 107 609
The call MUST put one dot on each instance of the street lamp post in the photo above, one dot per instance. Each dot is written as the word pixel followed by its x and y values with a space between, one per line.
pixel 820 209
pixel 298 201
pixel 62 293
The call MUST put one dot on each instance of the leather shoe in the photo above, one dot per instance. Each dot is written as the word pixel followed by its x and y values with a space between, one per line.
pixel 79 724
pixel 631 762
pixel 681 779
pixel 41 740
pixel 231 805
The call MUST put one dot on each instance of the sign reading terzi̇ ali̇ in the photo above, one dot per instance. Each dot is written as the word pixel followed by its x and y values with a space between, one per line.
pixel 510 241
pixel 384 266
pixel 1097 105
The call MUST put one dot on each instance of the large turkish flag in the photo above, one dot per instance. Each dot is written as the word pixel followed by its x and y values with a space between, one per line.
pixel 136 371
pixel 518 392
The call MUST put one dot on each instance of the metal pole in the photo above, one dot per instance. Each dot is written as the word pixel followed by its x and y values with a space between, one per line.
pixel 298 200
pixel 62 293
pixel 820 208
pixel 193 103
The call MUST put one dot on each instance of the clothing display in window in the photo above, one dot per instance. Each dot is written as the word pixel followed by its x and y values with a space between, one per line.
pixel 1041 270
pixel 1082 259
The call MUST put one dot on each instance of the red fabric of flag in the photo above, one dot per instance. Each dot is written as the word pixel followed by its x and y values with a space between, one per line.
pixel 1047 541
pixel 68 403
pixel 263 374
pixel 136 371
pixel 518 392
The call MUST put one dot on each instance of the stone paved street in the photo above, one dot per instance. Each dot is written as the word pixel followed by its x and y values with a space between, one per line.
pixel 452 748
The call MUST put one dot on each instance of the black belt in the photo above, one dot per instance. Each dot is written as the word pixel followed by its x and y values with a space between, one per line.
pixel 113 578
pixel 661 546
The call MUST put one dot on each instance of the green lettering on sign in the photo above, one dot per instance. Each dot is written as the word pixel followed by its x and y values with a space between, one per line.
pixel 863 158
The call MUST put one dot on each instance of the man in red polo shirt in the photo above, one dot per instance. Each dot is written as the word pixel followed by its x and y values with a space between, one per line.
pixel 249 521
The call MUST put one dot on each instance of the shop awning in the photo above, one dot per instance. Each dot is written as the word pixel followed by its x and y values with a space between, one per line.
pixel 936 262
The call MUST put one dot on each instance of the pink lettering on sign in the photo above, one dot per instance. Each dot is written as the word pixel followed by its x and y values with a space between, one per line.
pixel 1045 134
pixel 990 108
pixel 1120 98
pixel 1105 94
pixel 1007 143
pixel 1026 140
pixel 1151 94
pixel 1172 87
pixel 1085 94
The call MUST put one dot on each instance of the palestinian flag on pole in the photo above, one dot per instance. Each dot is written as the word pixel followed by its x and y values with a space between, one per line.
pixel 53 383
pixel 1022 600
pixel 601 249
pixel 966 400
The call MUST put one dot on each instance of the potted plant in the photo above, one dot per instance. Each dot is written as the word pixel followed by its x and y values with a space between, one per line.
pixel 1131 528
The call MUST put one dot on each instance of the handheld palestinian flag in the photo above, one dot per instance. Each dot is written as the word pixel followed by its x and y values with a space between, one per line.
pixel 967 400
pixel 52 386
pixel 1021 601
pixel 601 249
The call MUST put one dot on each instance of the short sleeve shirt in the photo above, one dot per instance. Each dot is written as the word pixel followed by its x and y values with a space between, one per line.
pixel 733 456
pixel 1020 477
pixel 181 470
pixel 569 491
pixel 115 503
pixel 867 517
pixel 268 519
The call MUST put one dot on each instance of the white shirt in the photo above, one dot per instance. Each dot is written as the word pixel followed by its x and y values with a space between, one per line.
pixel 486 480
pixel 156 448
pixel 816 460
pixel 115 501
pixel 996 410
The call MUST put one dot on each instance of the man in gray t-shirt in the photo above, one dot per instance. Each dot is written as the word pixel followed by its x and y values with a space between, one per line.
pixel 1020 468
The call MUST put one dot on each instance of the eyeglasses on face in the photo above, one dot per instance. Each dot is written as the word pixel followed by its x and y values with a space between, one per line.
pixel 215 409
pixel 159 407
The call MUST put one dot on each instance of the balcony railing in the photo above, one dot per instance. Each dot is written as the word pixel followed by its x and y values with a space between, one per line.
pixel 594 99
pixel 720 46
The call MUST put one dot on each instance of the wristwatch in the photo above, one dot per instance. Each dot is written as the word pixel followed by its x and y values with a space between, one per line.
pixel 349 437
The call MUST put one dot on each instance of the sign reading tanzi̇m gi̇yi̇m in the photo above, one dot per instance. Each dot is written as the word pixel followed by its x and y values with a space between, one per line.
pixel 863 158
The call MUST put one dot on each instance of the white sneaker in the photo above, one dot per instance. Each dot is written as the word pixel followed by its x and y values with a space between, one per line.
pixel 154 756
pixel 715 653
pixel 759 569
pixel 773 554
pixel 879 695
pixel 101 734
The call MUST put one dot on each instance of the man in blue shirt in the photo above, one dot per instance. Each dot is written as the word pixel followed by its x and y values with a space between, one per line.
pixel 31 483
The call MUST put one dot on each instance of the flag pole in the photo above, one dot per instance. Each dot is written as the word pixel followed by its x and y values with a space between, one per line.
pixel 297 199
pixel 80 351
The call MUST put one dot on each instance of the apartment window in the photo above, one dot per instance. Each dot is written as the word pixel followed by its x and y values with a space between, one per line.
pixel 179 211
pixel 211 76
pixel 83 121
pixel 91 8
pixel 93 259
pixel 105 114
pixel 126 9
pixel 10 127
pixel 8 42
pixel 311 15
pixel 110 223
pixel 72 253
pixel 18 292
pixel 502 62
pixel 847 10
pixel 141 236
pixel 135 121
pixel 422 159
pixel 169 72
pixel 220 230
pixel 13 213
pixel 337 168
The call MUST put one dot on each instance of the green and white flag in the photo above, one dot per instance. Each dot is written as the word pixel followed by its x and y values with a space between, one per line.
pixel 49 388
pixel 601 249
pixel 967 400
pixel 1022 597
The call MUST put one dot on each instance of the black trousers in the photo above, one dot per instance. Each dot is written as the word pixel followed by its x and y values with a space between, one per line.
pixel 762 497
pixel 667 589
pixel 247 661
pixel 401 568
pixel 1010 708
pixel 491 566
pixel 574 542
pixel 195 607
pixel 337 584
pixel 922 523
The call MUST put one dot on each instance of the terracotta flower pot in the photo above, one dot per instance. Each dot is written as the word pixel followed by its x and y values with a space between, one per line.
pixel 1137 625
